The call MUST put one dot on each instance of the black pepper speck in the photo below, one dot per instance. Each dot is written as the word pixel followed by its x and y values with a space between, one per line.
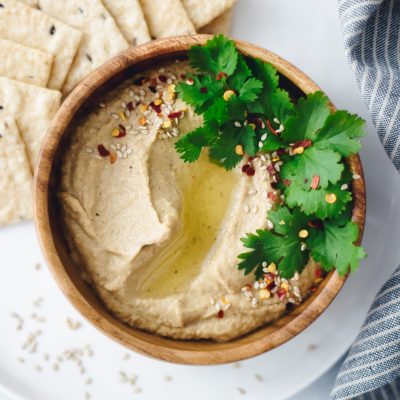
pixel 89 57
pixel 52 30
pixel 1 5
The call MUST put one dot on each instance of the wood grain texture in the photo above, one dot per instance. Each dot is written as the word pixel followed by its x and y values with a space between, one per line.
pixel 68 275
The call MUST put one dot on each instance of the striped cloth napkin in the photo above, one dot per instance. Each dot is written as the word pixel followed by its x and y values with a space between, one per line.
pixel 371 31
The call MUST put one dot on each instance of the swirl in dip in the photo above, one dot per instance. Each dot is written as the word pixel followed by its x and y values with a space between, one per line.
pixel 158 238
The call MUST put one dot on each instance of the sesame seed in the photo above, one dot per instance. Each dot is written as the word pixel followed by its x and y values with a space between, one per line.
pixel 129 151
pixel 270 224
pixel 119 154
pixel 237 124
pixel 89 150
pixel 115 116
pixel 276 120
pixel 356 176
pixel 255 209
pixel 303 246
pixel 264 137
pixel 246 209
pixel 102 105
pixel 345 186
pixel 131 93
pixel 252 192
pixel 260 144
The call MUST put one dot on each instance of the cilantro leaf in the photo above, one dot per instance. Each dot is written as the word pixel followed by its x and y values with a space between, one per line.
pixel 281 246
pixel 189 146
pixel 334 247
pixel 201 59
pixel 273 143
pixel 314 201
pixel 341 133
pixel 247 137
pixel 218 55
pixel 202 94
pixel 326 164
pixel 242 72
pixel 222 152
pixel 250 89
pixel 278 105
pixel 310 115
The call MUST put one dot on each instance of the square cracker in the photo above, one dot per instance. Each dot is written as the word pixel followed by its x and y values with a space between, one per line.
pixel 15 177
pixel 221 24
pixel 32 107
pixel 25 64
pixel 32 28
pixel 130 20
pixel 167 18
pixel 202 12
pixel 101 37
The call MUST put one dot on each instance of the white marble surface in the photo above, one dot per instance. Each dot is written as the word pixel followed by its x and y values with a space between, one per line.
pixel 307 33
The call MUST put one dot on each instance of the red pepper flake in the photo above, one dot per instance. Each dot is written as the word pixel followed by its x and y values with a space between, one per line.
pixel 272 196
pixel 220 314
pixel 287 182
pixel 250 171
pixel 315 182
pixel 319 273
pixel 221 75
pixel 113 157
pixel 175 114
pixel 153 82
pixel 271 169
pixel 129 106
pixel 316 223
pixel 122 131
pixel 162 78
pixel 281 293
pixel 271 285
pixel 102 151
pixel 245 167
pixel 157 109
pixel 270 127
pixel 302 143
pixel 269 277
pixel 203 89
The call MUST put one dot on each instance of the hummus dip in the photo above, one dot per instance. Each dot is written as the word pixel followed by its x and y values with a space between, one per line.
pixel 159 238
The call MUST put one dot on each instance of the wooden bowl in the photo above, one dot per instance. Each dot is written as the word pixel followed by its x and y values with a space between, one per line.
pixel 68 275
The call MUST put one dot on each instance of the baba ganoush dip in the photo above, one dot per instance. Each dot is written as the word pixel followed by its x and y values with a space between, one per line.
pixel 159 238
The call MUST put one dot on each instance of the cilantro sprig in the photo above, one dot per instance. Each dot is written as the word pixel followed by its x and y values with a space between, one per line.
pixel 246 113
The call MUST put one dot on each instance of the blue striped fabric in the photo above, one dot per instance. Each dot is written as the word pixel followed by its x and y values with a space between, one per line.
pixel 371 31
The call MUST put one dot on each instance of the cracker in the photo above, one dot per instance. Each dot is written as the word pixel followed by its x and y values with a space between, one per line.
pixel 221 24
pixel 32 28
pixel 129 17
pixel 101 37
pixel 15 177
pixel 32 107
pixel 202 12
pixel 24 64
pixel 167 18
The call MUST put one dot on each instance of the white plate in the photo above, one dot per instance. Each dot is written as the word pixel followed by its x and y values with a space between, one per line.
pixel 307 34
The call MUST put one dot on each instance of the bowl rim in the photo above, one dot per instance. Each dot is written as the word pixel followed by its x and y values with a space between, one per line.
pixel 164 348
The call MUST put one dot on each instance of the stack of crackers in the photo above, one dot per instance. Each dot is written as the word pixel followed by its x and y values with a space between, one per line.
pixel 48 46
